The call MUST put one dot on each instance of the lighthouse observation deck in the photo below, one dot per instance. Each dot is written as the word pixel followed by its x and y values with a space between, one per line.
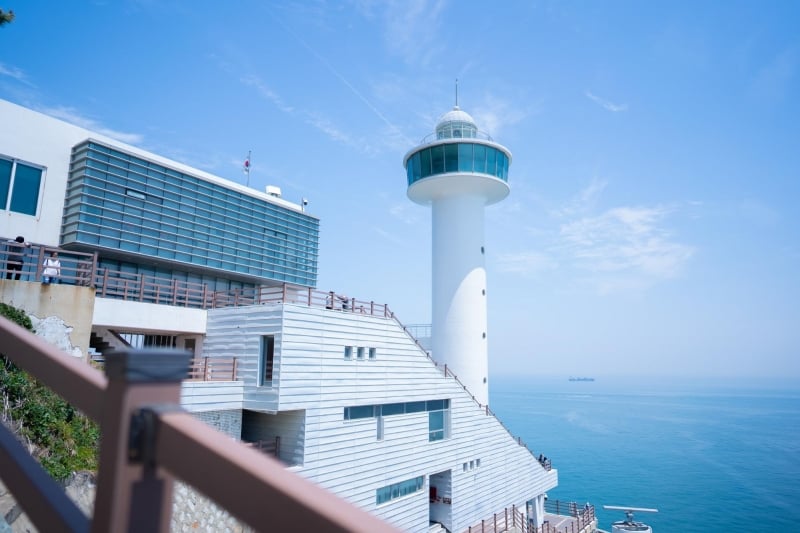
pixel 457 153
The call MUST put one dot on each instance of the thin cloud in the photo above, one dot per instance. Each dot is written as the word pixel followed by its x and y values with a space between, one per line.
pixel 620 249
pixel 266 93
pixel 344 81
pixel 388 237
pixel 606 104
pixel 69 114
pixel 494 114
pixel 15 73
pixel 406 213
pixel 584 201
pixel 411 28
pixel 525 263
pixel 625 239
pixel 313 119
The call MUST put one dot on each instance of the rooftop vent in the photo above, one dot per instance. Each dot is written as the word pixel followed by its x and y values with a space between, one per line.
pixel 273 190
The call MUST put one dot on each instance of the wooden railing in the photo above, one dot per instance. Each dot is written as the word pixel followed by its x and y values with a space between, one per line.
pixel 513 519
pixel 510 519
pixel 270 447
pixel 147 440
pixel 583 517
pixel 213 369
pixel 76 267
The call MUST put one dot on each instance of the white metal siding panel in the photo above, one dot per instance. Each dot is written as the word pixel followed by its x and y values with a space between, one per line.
pixel 345 456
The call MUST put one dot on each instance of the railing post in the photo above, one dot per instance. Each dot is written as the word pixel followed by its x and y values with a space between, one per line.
pixel 93 270
pixel 38 274
pixel 206 372
pixel 283 296
pixel 133 495
pixel 141 289
pixel 309 296
pixel 105 283
pixel 233 372
pixel 174 292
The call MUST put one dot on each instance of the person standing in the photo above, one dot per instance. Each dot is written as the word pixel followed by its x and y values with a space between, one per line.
pixel 15 257
pixel 52 269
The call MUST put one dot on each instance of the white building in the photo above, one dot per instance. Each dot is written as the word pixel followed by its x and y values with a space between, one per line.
pixel 337 390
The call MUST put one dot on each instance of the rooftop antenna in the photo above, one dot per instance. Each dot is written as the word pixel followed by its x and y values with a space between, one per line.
pixel 456 93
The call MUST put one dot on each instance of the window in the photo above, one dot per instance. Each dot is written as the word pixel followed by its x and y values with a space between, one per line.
pixel 398 490
pixel 438 419
pixel 373 352
pixel 267 360
pixel 19 186
pixel 360 353
pixel 348 352
pixel 361 411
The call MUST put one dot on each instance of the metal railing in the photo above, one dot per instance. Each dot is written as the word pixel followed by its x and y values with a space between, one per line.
pixel 213 369
pixel 582 517
pixel 146 442
pixel 510 519
pixel 25 262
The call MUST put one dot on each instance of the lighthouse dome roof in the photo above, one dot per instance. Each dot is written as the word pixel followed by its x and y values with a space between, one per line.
pixel 456 123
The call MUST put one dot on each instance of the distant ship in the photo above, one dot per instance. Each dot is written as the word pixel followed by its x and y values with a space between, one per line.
pixel 581 379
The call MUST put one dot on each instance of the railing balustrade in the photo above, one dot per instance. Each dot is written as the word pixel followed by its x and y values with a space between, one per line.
pixel 510 519
pixel 213 369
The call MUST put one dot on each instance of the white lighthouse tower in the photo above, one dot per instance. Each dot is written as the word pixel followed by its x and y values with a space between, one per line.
pixel 459 170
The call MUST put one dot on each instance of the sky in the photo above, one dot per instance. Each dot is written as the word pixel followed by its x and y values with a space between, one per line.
pixel 652 226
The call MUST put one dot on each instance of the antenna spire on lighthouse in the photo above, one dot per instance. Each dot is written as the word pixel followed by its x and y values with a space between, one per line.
pixel 458 171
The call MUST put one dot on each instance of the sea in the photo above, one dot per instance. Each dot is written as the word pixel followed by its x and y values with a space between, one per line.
pixel 712 455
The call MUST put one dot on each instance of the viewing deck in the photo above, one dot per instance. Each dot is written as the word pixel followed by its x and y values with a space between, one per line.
pixel 559 517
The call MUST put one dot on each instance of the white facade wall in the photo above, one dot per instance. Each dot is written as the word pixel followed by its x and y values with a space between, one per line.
pixel 346 456
pixel 125 315
pixel 198 396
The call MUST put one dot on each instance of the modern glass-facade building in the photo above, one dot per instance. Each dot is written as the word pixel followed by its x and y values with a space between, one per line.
pixel 145 217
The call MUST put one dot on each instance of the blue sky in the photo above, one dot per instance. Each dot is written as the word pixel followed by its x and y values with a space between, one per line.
pixel 652 226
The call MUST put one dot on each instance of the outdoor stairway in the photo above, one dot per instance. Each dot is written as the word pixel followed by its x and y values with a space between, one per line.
pixel 97 347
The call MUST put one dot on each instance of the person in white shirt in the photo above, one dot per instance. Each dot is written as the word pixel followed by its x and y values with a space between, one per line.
pixel 52 269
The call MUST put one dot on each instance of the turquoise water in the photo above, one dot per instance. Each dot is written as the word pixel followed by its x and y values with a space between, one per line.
pixel 709 455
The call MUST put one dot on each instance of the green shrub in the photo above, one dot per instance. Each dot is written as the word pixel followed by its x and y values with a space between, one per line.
pixel 63 439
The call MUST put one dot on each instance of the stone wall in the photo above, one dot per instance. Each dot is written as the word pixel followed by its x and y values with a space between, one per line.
pixel 228 421
pixel 191 511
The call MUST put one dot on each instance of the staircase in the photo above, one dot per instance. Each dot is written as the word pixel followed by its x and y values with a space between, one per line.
pixel 97 347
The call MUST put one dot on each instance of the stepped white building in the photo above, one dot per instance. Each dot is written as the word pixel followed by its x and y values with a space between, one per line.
pixel 338 391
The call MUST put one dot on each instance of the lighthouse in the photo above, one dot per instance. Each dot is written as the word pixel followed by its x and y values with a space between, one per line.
pixel 458 170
